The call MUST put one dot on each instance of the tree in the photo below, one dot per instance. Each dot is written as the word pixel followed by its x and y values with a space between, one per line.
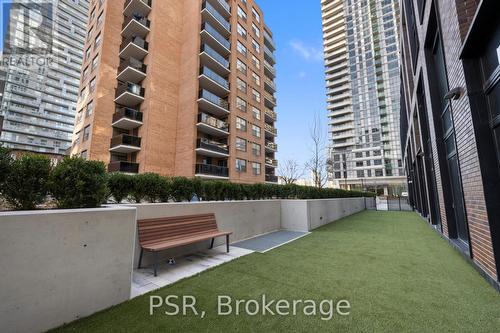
pixel 317 163
pixel 289 171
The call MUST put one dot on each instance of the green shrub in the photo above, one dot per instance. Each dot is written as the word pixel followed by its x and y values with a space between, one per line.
pixel 120 186
pixel 26 181
pixel 78 183
pixel 182 189
pixel 5 162
pixel 153 186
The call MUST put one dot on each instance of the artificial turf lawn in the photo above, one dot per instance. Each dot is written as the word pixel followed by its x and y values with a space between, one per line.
pixel 396 272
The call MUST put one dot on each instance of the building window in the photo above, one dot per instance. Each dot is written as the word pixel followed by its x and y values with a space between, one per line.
pixel 87 53
pixel 241 104
pixel 256 131
pixel 92 85
pixel 242 14
pixel 86 133
pixel 241 124
pixel 242 31
pixel 379 173
pixel 255 62
pixel 241 165
pixel 255 46
pixel 100 18
pixel 85 72
pixel 97 41
pixel 241 48
pixel 83 154
pixel 242 85
pixel 256 149
pixel 256 15
pixel 256 168
pixel 256 113
pixel 256 79
pixel 255 30
pixel 241 144
pixel 360 173
pixel 241 66
pixel 95 61
pixel 256 95
pixel 90 109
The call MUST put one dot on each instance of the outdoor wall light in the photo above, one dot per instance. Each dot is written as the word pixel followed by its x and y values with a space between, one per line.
pixel 454 93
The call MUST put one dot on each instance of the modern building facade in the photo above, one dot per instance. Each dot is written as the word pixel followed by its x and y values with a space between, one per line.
pixel 180 88
pixel 361 47
pixel 38 97
pixel 450 130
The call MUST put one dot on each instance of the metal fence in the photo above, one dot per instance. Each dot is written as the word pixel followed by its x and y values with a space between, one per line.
pixel 393 204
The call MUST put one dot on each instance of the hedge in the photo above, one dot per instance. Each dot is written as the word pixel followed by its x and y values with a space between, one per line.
pixel 78 183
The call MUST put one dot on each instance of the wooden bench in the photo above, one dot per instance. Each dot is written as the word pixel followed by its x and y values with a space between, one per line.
pixel 160 234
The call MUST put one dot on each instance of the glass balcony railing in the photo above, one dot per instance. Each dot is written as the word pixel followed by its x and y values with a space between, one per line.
pixel 213 98
pixel 270 113
pixel 270 161
pixel 126 140
pixel 135 40
pixel 132 63
pixel 211 170
pixel 215 34
pixel 271 145
pixel 214 76
pixel 212 121
pixel 217 15
pixel 127 113
pixel 271 178
pixel 215 146
pixel 214 54
pixel 123 166
pixel 142 20
pixel 129 87
pixel 270 129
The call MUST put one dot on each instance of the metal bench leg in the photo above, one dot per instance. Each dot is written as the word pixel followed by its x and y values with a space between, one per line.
pixel 140 259
pixel 155 265
pixel 227 243
pixel 212 244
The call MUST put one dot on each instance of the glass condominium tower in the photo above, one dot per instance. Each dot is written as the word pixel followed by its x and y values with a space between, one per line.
pixel 363 89
pixel 39 88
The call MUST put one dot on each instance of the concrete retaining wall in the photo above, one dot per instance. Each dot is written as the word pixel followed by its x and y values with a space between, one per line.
pixel 61 265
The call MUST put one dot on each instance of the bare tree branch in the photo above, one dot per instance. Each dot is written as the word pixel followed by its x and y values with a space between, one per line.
pixel 289 171
pixel 317 163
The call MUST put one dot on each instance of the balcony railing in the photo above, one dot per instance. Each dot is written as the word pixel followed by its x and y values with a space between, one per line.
pixel 271 178
pixel 214 122
pixel 127 113
pixel 271 145
pixel 270 97
pixel 125 140
pixel 211 170
pixel 138 41
pixel 213 98
pixel 270 129
pixel 215 34
pixel 221 19
pixel 142 20
pixel 131 88
pixel 215 146
pixel 270 113
pixel 270 161
pixel 132 63
pixel 123 166
pixel 269 39
pixel 214 54
pixel 214 76
pixel 270 68
pixel 269 53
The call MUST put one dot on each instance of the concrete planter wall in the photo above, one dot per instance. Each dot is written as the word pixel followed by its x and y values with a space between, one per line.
pixel 61 265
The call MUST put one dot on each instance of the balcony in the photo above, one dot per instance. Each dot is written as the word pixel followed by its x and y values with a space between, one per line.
pixel 213 81
pixel 270 115
pixel 208 56
pixel 212 126
pixel 123 166
pixel 131 70
pixel 134 47
pixel 270 130
pixel 212 103
pixel 129 94
pixel 268 40
pixel 272 163
pixel 140 7
pixel 127 118
pixel 269 56
pixel 212 15
pixel 269 70
pixel 269 85
pixel 211 171
pixel 125 144
pixel 271 178
pixel 209 35
pixel 269 100
pixel 271 146
pixel 135 25
pixel 211 148
pixel 222 7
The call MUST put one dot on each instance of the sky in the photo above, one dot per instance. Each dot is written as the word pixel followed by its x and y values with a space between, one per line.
pixel 300 80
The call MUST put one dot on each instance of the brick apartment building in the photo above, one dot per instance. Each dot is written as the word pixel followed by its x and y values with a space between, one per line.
pixel 180 88
pixel 450 122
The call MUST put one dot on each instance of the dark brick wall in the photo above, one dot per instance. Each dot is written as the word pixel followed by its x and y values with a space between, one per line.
pixel 455 17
